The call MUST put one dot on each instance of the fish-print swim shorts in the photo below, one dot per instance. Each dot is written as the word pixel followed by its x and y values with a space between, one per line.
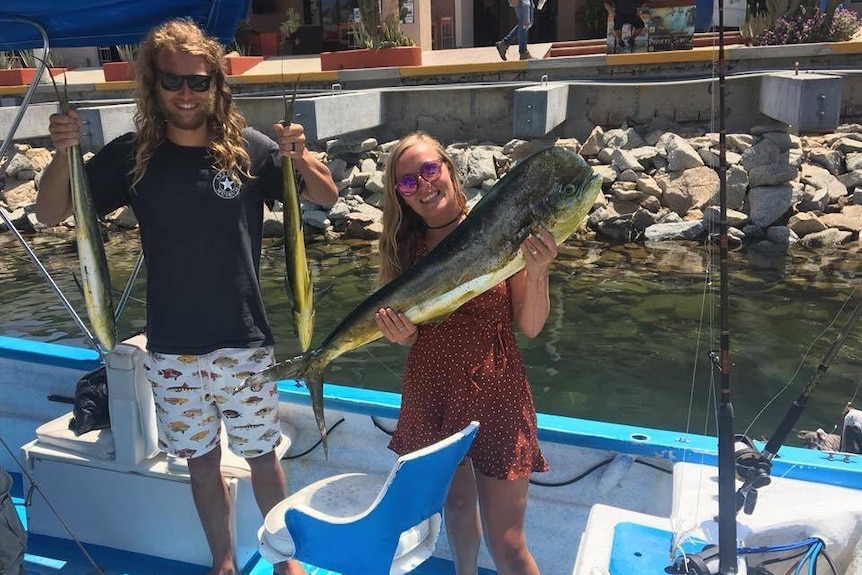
pixel 194 395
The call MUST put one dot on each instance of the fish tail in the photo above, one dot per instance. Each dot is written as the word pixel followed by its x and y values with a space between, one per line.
pixel 309 368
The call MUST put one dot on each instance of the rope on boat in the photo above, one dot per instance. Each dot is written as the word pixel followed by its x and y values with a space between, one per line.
pixel 806 553
pixel 315 446
pixel 35 487
pixel 592 469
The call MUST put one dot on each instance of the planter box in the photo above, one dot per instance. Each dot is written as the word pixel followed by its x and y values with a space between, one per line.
pixel 236 65
pixel 371 58
pixel 118 71
pixel 264 44
pixel 24 76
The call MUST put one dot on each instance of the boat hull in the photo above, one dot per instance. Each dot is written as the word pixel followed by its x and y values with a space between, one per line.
pixel 646 480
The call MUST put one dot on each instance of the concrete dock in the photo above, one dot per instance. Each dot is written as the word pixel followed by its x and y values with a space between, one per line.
pixel 470 94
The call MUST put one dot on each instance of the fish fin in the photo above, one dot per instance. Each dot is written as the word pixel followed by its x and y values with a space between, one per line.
pixel 293 368
pixel 78 284
pixel 501 166
pixel 321 293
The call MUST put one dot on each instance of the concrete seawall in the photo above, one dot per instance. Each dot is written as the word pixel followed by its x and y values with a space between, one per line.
pixel 462 100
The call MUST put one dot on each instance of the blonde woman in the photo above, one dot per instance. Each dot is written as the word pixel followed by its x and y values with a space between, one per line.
pixel 468 366
pixel 197 178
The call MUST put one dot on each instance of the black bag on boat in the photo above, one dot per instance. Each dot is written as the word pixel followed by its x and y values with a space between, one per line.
pixel 12 536
pixel 91 403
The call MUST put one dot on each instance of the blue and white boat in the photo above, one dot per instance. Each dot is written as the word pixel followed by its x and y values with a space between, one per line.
pixel 131 506
pixel 109 501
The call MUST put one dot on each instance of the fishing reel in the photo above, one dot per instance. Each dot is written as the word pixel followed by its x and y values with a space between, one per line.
pixel 753 470
pixel 704 562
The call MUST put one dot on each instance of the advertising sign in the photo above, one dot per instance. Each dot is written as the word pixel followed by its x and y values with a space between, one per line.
pixel 668 25
pixel 670 28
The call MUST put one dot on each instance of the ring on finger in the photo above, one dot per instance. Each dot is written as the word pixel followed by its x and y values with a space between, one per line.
pixel 534 252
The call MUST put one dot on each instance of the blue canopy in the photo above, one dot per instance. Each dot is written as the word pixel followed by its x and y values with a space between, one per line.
pixel 78 23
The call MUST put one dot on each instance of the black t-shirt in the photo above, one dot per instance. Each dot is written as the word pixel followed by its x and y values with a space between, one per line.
pixel 201 235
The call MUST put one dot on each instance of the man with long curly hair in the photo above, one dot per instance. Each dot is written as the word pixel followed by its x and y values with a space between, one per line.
pixel 197 178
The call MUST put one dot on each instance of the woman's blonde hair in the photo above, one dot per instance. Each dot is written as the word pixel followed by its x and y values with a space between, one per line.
pixel 225 124
pixel 403 229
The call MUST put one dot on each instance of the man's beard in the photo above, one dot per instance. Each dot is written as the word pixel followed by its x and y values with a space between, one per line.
pixel 188 122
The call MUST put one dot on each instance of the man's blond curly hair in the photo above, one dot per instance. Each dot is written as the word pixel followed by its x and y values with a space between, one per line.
pixel 225 124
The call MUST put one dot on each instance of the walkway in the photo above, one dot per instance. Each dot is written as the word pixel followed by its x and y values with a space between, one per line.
pixel 484 64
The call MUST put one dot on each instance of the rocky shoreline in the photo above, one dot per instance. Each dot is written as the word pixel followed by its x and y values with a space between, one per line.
pixel 660 183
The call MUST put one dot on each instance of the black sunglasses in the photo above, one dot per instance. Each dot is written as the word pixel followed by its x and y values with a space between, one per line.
pixel 173 82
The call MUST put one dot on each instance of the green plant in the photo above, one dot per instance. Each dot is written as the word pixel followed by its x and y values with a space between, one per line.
pixel 27 58
pixel 127 52
pixel 241 43
pixel 289 26
pixel 755 25
pixel 373 33
pixel 809 26
pixel 239 48
pixel 795 21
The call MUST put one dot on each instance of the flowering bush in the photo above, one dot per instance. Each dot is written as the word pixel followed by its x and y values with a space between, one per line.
pixel 810 27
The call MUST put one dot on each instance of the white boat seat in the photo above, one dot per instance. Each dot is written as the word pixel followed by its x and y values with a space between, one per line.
pixel 357 524
pixel 132 439
pixel 99 445
pixel 96 444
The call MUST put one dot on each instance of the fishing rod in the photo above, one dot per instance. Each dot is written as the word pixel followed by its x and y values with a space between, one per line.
pixel 703 563
pixel 753 465
pixel 783 430
pixel 727 558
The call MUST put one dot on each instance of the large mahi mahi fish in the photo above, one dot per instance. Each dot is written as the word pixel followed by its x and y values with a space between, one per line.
pixel 95 275
pixel 554 188
pixel 96 278
pixel 300 290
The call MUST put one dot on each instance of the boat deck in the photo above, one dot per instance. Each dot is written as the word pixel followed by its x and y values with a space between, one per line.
pixel 55 556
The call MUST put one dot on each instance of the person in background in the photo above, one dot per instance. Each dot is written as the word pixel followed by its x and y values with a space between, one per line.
pixel 466 367
pixel 524 10
pixel 197 178
pixel 626 12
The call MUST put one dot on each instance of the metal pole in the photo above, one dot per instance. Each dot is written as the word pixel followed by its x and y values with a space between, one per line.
pixel 5 144
pixel 727 561
pixel 128 289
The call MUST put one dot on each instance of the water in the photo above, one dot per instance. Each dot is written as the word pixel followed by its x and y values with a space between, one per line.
pixel 626 340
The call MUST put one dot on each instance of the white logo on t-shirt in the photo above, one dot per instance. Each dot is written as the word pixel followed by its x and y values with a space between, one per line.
pixel 225 186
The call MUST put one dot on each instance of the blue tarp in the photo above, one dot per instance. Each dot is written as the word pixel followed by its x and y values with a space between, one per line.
pixel 77 23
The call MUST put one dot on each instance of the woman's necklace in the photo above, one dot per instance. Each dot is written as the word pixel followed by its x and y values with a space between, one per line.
pixel 447 224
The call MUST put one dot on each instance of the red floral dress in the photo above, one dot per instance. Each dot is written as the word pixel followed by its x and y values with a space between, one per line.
pixel 466 368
